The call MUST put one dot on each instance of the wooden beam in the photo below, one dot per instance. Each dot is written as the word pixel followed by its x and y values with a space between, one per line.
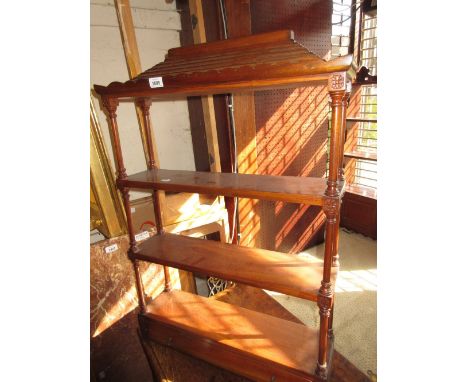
pixel 199 36
pixel 132 58
pixel 239 24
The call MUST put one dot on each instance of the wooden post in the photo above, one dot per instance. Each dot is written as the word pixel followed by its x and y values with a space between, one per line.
pixel 341 143
pixel 331 207
pixel 144 104
pixel 110 104
pixel 199 36
pixel 136 265
pixel 239 24
pixel 343 133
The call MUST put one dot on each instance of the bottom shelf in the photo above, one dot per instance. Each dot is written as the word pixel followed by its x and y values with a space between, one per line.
pixel 248 343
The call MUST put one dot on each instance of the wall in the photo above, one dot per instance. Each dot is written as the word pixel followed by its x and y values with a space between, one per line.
pixel 157 26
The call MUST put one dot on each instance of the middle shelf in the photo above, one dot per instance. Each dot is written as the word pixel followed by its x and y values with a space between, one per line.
pixel 292 189
pixel 275 271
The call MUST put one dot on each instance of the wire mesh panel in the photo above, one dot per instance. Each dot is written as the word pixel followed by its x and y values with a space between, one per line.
pixel 291 124
pixel 216 285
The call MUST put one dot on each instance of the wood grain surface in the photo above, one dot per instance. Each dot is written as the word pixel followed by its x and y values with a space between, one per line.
pixel 253 344
pixel 307 190
pixel 261 268
pixel 261 61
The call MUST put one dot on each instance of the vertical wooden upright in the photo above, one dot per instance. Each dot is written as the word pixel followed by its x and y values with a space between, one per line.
pixel 199 37
pixel 331 207
pixel 239 24
pixel 144 104
pixel 110 104
pixel 341 178
pixel 132 58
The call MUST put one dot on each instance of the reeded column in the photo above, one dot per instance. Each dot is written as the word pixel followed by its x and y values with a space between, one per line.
pixel 110 104
pixel 133 248
pixel 331 207
pixel 341 179
pixel 343 132
pixel 144 104
pixel 325 295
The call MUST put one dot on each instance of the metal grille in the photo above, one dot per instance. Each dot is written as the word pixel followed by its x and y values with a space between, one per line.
pixel 341 23
pixel 365 170
pixel 369 43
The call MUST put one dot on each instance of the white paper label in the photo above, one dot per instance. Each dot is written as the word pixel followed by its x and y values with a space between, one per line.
pixel 132 210
pixel 156 82
pixel 142 236
pixel 111 248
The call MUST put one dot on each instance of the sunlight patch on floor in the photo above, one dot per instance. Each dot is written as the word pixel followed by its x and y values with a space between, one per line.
pixel 356 281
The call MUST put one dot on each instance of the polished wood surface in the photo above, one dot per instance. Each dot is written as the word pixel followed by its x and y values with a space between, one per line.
pixel 268 60
pixel 289 274
pixel 357 189
pixel 239 24
pixel 291 189
pixel 359 210
pixel 252 344
pixel 361 155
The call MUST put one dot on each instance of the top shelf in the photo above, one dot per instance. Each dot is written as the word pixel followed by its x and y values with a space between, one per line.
pixel 292 189
pixel 256 62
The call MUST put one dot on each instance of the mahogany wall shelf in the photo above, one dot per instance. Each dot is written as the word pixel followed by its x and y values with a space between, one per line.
pixel 249 343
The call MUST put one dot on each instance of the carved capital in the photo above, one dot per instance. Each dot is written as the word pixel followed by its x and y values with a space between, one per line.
pixel 331 207
pixel 337 81
pixel 111 106
pixel 144 104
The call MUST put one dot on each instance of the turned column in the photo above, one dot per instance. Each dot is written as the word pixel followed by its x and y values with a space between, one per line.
pixel 110 105
pixel 345 101
pixel 331 207
pixel 133 248
pixel 341 179
pixel 144 104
